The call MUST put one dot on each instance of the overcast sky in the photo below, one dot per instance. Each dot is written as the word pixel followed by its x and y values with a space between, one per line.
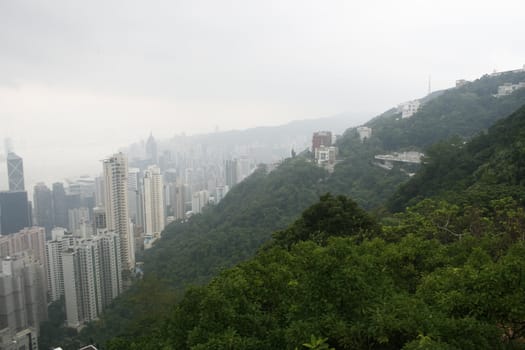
pixel 78 79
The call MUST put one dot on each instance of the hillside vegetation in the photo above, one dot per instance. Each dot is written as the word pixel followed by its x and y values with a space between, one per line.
pixel 193 252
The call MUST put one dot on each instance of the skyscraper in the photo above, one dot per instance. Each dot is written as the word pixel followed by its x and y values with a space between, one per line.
pixel 154 214
pixel 151 149
pixel 117 212
pixel 134 196
pixel 60 205
pixel 15 172
pixel 178 200
pixel 14 211
pixel 43 202
pixel 230 172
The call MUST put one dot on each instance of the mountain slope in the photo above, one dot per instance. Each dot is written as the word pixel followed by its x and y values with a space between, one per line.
pixel 194 251
pixel 490 165
pixel 462 112
pixel 445 274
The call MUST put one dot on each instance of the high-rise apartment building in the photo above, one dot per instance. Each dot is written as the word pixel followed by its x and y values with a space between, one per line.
pixel 55 274
pixel 28 241
pixel 153 203
pixel 81 284
pixel 108 244
pixel 92 278
pixel 117 212
pixel 15 172
pixel 22 294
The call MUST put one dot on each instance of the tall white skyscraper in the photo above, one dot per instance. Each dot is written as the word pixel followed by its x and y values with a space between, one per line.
pixel 154 215
pixel 117 211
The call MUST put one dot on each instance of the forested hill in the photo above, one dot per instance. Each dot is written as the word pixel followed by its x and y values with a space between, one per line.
pixel 194 251
pixel 487 167
pixel 447 273
pixel 462 112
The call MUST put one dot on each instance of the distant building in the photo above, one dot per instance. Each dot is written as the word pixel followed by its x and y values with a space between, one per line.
pixel 461 82
pixel 496 73
pixel 325 155
pixel 59 205
pixel 28 241
pixel 364 132
pixel 22 300
pixel 409 108
pixel 230 172
pixel 178 200
pixel 79 222
pixel 153 203
pixel 15 172
pixel 135 197
pixel 14 211
pixel 99 219
pixel 22 340
pixel 508 88
pixel 244 168
pixel 321 138
pixel 55 274
pixel 220 193
pixel 43 203
pixel 199 200
pixel 151 150
pixel 388 160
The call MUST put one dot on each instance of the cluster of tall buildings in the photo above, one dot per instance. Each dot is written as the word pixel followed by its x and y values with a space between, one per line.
pixel 77 241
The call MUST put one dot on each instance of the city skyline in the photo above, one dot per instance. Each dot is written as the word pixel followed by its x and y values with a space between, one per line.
pixel 79 89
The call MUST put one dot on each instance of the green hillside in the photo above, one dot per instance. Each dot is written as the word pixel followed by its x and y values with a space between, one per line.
pixel 193 252
pixel 463 112
pixel 445 274
pixel 490 165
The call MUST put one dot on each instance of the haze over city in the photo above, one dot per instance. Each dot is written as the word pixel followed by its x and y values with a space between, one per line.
pixel 78 80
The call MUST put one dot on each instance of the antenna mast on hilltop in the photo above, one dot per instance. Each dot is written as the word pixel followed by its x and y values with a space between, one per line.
pixel 429 84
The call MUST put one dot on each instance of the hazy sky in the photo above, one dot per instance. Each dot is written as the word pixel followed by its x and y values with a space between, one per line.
pixel 78 79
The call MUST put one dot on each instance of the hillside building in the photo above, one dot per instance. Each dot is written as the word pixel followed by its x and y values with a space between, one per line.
pixel 364 132
pixel 409 108
pixel 508 88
